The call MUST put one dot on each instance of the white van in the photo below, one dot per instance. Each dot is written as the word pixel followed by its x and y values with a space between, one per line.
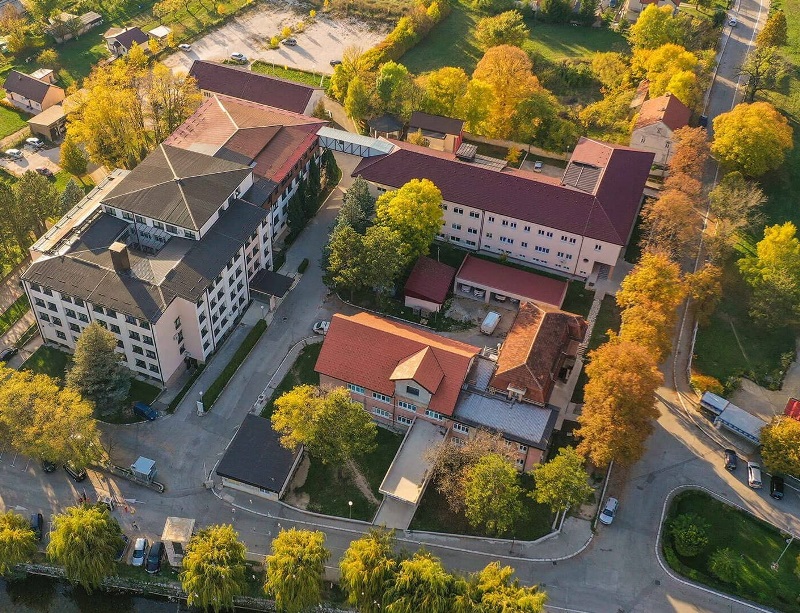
pixel 490 322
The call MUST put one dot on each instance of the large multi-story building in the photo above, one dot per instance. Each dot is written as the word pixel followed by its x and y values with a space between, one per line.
pixel 160 255
pixel 578 224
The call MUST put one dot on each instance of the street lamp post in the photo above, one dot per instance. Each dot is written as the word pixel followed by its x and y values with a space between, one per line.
pixel 350 504
pixel 774 565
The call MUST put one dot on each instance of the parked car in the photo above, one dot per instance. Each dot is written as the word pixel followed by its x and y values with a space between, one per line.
pixel 144 410
pixel 153 564
pixel 239 57
pixel 490 322
pixel 321 327
pixel 609 511
pixel 730 459
pixel 612 4
pixel 125 542
pixel 537 166
pixel 48 466
pixel 184 47
pixel 14 154
pixel 139 552
pixel 335 62
pixel 754 475
pixel 776 487
pixel 34 142
pixel 732 22
pixel 79 474
pixel 37 525
pixel 45 172
pixel 8 353
pixel 289 42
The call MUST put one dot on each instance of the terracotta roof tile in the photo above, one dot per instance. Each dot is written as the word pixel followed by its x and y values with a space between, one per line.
pixel 366 350
pixel 430 280
pixel 668 109
pixel 422 367
pixel 533 351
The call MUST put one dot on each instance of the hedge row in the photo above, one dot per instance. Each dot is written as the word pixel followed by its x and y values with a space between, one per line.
pixel 215 389
pixel 408 32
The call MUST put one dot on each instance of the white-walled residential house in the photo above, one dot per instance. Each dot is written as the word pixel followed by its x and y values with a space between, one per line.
pixel 635 7
pixel 655 125
pixel 573 225
pixel 32 93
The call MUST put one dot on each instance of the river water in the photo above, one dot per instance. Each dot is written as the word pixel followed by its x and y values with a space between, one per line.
pixel 38 594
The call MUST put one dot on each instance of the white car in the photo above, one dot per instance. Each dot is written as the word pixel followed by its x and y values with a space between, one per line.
pixel 609 511
pixel 321 327
pixel 184 47
pixel 14 154
pixel 732 22
pixel 139 552
pixel 34 142
pixel 537 166
pixel 239 57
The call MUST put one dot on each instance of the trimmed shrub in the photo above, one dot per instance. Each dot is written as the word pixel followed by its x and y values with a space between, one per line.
pixel 215 389
pixel 689 533
pixel 705 383
pixel 725 564
pixel 303 265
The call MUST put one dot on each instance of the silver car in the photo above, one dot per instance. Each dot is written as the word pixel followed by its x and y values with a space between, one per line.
pixel 609 511
pixel 139 552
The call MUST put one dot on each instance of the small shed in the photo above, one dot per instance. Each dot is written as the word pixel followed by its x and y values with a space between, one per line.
pixel 176 536
pixel 442 133
pixel 50 124
pixel 160 33
pixel 386 126
pixel 144 468
pixel 256 463
pixel 493 283
pixel 428 285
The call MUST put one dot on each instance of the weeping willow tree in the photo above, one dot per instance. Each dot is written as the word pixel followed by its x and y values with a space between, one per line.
pixel 17 541
pixel 368 568
pixel 294 569
pixel 213 568
pixel 85 540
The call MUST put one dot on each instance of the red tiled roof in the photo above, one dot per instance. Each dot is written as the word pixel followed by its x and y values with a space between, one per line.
pixel 422 367
pixel 792 409
pixel 273 138
pixel 242 83
pixel 667 109
pixel 430 280
pixel 533 351
pixel 507 280
pixel 366 350
pixel 607 215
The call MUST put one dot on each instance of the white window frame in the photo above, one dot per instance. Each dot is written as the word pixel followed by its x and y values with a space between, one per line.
pixel 356 389
pixel 382 397
pixel 434 415
pixel 461 428
pixel 381 412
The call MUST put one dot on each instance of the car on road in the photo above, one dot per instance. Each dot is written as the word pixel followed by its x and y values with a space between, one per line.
pixel 730 459
pixel 732 22
pixel 78 474
pixel 139 552
pixel 609 511
pixel 45 172
pixel 289 42
pixel 321 327
pixel 537 166
pixel 754 475
pixel 14 154
pixel 34 142
pixel 184 47
pixel 144 410
pixel 153 564
pixel 121 552
pixel 335 63
pixel 48 466
pixel 37 525
pixel 239 57
pixel 8 353
pixel 776 487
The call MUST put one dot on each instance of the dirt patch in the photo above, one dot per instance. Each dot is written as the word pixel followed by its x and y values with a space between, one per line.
pixel 361 482
pixel 293 497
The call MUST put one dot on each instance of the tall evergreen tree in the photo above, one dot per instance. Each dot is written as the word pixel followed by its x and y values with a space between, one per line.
pixel 97 371
pixel 73 159
pixel 71 196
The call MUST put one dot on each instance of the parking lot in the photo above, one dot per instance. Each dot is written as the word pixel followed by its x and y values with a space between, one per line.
pixel 322 41
pixel 32 158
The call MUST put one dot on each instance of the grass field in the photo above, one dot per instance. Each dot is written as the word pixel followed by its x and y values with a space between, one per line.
pixel 11 120
pixel 435 515
pixel 452 42
pixel 13 313
pixel 608 318
pixel 330 488
pixel 301 373
pixel 758 544
pixel 291 74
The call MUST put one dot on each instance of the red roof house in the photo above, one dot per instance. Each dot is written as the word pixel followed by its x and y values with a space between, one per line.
pixel 658 119
pixel 542 341
pixel 428 285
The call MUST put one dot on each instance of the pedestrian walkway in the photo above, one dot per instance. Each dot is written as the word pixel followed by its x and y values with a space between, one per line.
pixel 15 332
pixel 10 289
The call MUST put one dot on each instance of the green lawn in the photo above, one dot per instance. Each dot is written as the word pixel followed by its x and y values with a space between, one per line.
pixel 435 515
pixel 578 299
pixel 11 120
pixel 452 43
pixel 758 544
pixel 291 74
pixel 608 318
pixel 330 488
pixel 14 313
pixel 301 373
pixel 757 354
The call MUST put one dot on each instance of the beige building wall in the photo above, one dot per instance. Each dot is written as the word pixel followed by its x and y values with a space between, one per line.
pixel 655 138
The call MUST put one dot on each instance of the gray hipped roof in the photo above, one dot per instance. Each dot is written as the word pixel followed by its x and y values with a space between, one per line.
pixel 177 186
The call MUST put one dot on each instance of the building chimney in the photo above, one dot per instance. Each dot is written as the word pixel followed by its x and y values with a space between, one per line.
pixel 119 257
